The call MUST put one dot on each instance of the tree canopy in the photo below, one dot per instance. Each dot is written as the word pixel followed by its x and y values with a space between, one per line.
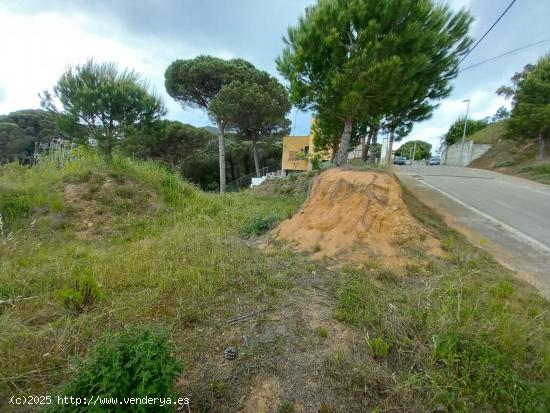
pixel 107 101
pixel 327 132
pixel 350 58
pixel 171 142
pixel 530 116
pixel 254 109
pixel 456 130
pixel 501 114
pixel 420 149
pixel 197 82
pixel 20 130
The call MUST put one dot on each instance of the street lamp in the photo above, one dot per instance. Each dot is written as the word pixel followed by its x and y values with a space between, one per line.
pixel 464 133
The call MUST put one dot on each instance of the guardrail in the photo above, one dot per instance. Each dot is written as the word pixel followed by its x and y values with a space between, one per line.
pixel 245 181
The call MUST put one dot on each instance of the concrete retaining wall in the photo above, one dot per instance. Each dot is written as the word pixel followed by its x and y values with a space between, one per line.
pixel 451 154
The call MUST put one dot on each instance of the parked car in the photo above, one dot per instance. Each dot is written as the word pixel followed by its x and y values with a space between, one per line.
pixel 434 160
pixel 400 160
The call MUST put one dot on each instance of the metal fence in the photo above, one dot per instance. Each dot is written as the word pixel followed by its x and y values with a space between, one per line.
pixel 246 180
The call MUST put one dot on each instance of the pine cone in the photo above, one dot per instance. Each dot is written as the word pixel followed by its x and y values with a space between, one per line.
pixel 230 353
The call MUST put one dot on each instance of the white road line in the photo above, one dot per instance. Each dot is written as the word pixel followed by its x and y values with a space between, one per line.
pixel 507 227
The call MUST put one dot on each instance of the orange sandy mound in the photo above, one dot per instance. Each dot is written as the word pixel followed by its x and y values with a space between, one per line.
pixel 357 217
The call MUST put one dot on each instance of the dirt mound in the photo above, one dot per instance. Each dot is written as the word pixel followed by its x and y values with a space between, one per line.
pixel 103 205
pixel 357 217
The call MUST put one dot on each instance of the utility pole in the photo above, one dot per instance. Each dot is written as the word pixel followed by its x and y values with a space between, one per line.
pixel 464 133
pixel 414 153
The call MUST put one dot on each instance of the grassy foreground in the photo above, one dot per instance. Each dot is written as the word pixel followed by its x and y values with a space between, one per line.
pixel 457 334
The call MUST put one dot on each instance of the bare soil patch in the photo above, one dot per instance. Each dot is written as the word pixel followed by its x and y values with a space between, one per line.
pixel 357 217
pixel 103 206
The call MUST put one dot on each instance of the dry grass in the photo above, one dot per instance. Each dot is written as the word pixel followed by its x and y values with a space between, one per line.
pixel 457 333
pixel 510 156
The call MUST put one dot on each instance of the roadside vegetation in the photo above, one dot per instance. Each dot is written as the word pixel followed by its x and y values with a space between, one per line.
pixel 119 275
pixel 456 333
pixel 160 252
pixel 518 138
pixel 510 156
pixel 459 334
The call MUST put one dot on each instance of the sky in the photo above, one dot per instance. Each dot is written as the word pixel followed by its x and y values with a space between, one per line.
pixel 40 38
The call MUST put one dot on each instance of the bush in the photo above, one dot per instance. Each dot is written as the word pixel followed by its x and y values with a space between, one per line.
pixel 541 168
pixel 258 225
pixel 83 293
pixel 379 347
pixel 505 163
pixel 136 362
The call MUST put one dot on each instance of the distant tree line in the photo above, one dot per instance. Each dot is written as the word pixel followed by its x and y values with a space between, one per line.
pixel 417 149
pixel 346 60
pixel 530 115
pixel 20 131
pixel 530 94
pixel 116 110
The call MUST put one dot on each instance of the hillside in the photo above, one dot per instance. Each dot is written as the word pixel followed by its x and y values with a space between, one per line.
pixel 90 250
pixel 509 156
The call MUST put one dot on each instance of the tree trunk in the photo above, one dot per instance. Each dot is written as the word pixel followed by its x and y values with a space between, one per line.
pixel 366 145
pixel 109 153
pixel 109 148
pixel 390 147
pixel 256 158
pixel 333 155
pixel 221 146
pixel 232 168
pixel 542 147
pixel 342 155
pixel 373 143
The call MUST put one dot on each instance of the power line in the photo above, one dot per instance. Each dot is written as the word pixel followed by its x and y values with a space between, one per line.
pixel 505 54
pixel 487 32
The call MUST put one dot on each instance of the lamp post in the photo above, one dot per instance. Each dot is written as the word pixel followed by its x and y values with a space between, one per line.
pixel 464 133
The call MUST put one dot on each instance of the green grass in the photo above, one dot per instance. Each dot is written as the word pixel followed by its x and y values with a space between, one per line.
pixel 458 331
pixel 322 331
pixel 490 134
pixel 177 266
pixel 539 171
pixel 467 336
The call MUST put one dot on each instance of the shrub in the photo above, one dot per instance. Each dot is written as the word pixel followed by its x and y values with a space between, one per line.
pixel 136 362
pixel 83 293
pixel 448 243
pixel 258 225
pixel 379 347
pixel 505 163
pixel 537 168
pixel 285 407
pixel 322 331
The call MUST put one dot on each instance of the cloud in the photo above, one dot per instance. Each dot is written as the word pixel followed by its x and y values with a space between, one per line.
pixel 483 103
pixel 37 61
pixel 43 37
pixel 50 35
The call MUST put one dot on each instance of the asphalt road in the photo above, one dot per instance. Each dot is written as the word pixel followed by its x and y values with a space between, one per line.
pixel 512 213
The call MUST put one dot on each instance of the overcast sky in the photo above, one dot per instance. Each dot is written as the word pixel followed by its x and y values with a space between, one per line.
pixel 40 38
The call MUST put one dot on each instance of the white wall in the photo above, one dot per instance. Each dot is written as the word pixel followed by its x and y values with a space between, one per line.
pixel 451 155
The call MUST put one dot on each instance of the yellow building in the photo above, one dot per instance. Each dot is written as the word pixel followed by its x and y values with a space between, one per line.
pixel 295 151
